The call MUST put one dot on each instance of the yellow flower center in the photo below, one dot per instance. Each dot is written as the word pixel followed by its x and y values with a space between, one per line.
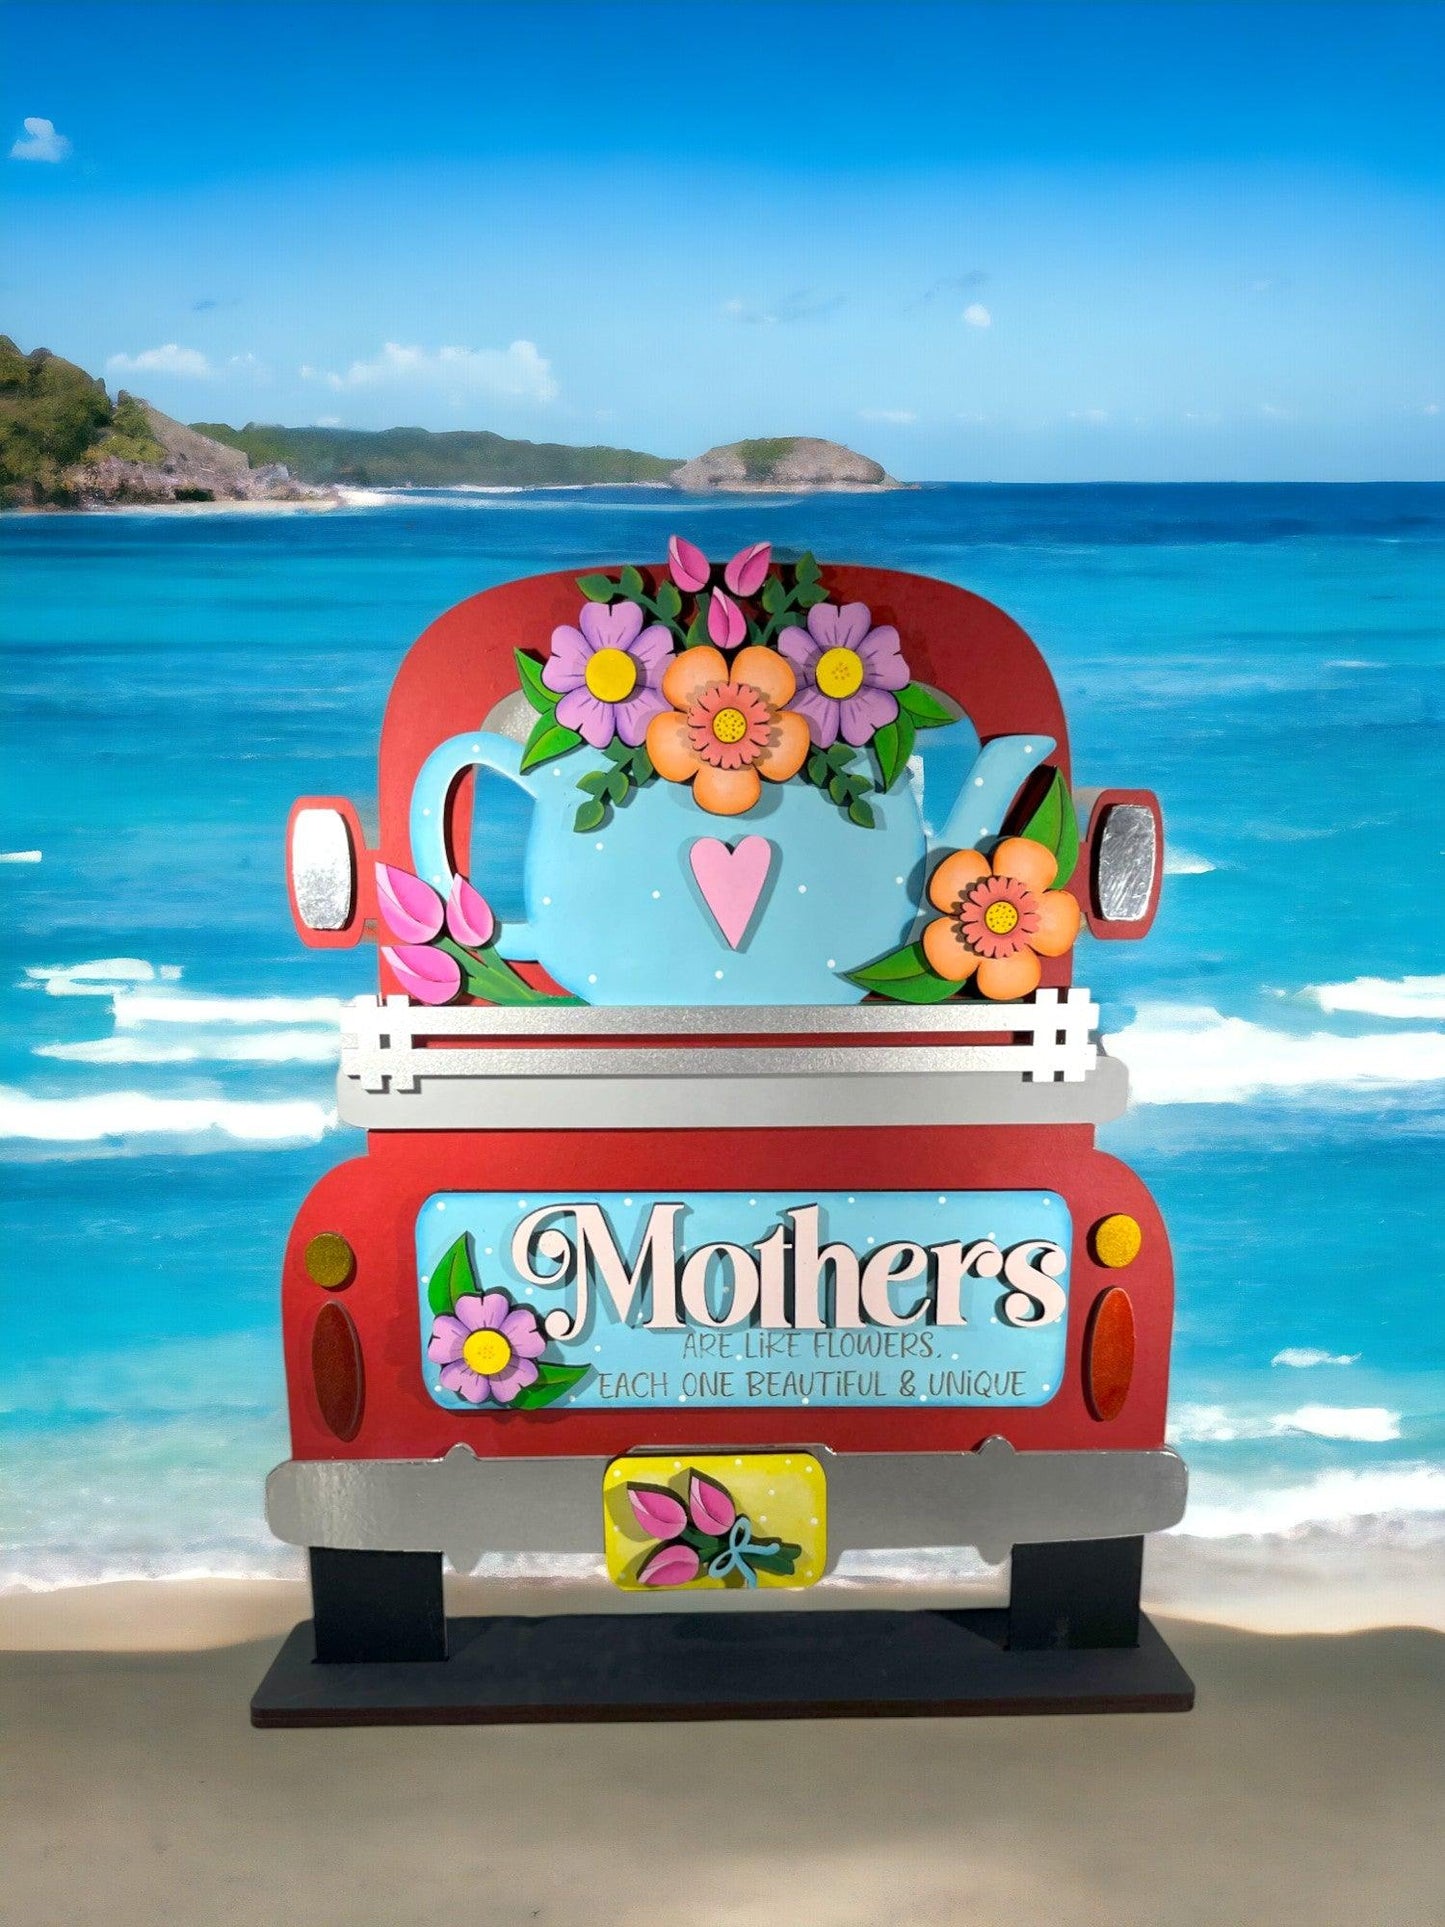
pixel 611 675
pixel 839 672
pixel 730 725
pixel 487 1351
pixel 1001 918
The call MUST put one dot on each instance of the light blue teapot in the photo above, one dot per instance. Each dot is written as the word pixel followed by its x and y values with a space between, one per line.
pixel 667 904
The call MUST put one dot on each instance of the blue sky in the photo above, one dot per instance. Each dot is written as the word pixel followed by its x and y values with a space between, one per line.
pixel 980 242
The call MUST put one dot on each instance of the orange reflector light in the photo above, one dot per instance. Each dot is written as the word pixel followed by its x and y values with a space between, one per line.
pixel 336 1370
pixel 1109 1353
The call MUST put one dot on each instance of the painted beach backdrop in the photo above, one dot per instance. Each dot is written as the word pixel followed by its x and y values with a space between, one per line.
pixel 1269 658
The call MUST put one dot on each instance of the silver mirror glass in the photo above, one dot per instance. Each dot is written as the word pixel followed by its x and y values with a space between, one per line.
pixel 323 869
pixel 1126 863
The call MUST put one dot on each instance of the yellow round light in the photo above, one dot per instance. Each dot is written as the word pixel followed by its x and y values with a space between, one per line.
pixel 839 672
pixel 486 1352
pixel 1001 918
pixel 611 675
pixel 330 1261
pixel 730 725
pixel 1117 1240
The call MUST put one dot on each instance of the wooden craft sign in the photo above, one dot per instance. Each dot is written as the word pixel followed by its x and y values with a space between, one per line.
pixel 881 1298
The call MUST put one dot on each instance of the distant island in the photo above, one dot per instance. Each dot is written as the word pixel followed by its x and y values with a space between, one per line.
pixel 65 444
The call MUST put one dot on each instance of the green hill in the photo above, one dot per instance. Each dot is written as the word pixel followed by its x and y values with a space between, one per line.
pixel 419 458
pixel 53 415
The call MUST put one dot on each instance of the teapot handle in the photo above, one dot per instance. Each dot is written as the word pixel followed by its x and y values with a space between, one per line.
pixel 1000 771
pixel 431 810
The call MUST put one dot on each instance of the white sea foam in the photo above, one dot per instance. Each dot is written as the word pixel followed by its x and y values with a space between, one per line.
pixel 134 1008
pixel 117 1116
pixel 1406 997
pixel 1302 1357
pixel 1218 1425
pixel 101 977
pixel 20 856
pixel 1340 1501
pixel 242 1047
pixel 1191 1054
pixel 1183 863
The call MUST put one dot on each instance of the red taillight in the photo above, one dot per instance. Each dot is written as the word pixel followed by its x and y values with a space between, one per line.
pixel 336 1370
pixel 1109 1353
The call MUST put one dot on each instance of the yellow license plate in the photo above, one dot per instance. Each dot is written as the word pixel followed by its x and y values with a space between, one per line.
pixel 714 1521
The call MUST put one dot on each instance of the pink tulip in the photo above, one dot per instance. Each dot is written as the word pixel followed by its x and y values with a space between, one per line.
pixel 745 573
pixel 469 915
pixel 431 976
pixel 671 1566
pixel 690 567
pixel 725 623
pixel 412 909
pixel 711 1507
pixel 658 1511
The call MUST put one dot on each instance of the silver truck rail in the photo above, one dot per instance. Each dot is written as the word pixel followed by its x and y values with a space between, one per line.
pixel 408 1067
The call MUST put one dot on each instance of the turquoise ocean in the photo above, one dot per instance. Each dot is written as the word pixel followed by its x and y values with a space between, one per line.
pixel 1270 659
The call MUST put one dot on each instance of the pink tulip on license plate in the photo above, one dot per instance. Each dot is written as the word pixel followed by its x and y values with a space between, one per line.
pixel 709 1521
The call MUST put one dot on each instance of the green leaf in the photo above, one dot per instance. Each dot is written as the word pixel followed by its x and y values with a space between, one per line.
pixel 838 790
pixel 773 596
pixel 642 770
pixel 618 752
pixel 549 738
pixel 669 602
pixel 597 588
pixel 892 746
pixel 590 816
pixel 925 706
pixel 817 771
pixel 697 633
pixel 782 1561
pixel 618 786
pixel 596 781
pixel 840 755
pixel 1055 825
pixel 550 1384
pixel 861 813
pixel 905 976
pixel 632 584
pixel 453 1278
pixel 813 593
pixel 806 568
pixel 533 687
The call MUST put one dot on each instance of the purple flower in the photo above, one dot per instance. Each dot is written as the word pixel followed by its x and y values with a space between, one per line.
pixel 486 1347
pixel 608 671
pixel 846 671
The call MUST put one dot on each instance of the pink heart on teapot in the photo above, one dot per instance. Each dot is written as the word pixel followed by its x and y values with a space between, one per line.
pixel 731 880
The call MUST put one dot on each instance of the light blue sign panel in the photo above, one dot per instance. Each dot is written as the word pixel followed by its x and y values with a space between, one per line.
pixel 729 1298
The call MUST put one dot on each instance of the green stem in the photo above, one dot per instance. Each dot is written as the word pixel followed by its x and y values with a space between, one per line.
pixel 646 602
pixel 487 976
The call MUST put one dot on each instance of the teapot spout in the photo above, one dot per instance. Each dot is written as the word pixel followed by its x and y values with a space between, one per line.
pixel 999 772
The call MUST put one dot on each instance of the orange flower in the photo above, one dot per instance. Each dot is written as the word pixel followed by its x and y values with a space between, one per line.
pixel 728 728
pixel 999 918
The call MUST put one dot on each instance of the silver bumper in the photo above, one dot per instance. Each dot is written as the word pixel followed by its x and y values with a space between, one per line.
pixel 991 1499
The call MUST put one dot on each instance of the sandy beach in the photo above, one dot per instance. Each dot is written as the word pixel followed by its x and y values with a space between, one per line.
pixel 1305 1787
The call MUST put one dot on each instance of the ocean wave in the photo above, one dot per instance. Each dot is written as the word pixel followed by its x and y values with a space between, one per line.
pixel 20 856
pixel 1218 1425
pixel 135 1008
pixel 99 977
pixel 1302 1357
pixel 245 1047
pixel 1344 1502
pixel 1192 1054
pixel 1182 863
pixel 107 1117
pixel 1404 997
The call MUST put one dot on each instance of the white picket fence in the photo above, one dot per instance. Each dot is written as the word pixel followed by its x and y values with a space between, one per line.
pixel 391 1045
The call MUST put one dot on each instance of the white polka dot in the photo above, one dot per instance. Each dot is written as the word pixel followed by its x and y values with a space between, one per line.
pixel 832 963
pixel 436 880
pixel 521 1204
pixel 655 895
pixel 897 879
pixel 1028 749
pixel 593 978
pixel 802 889
pixel 475 748
pixel 627 1200
pixel 441 1204
pixel 556 772
pixel 718 975
pixel 942 1199
pixel 978 782
pixel 598 844
pixel 426 812
pixel 546 903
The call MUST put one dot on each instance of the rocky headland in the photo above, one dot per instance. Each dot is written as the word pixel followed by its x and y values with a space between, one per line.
pixel 782 462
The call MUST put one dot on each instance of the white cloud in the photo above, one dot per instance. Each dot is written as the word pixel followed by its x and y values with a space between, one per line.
pixel 40 142
pixel 1405 997
pixel 1094 416
pixel 517 373
pixel 1302 1357
pixel 1217 1425
pixel 171 359
pixel 1431 408
pixel 327 421
pixel 899 415
pixel 977 315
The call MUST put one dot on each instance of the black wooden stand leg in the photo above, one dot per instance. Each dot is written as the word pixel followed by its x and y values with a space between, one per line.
pixel 1078 1593
pixel 377 1605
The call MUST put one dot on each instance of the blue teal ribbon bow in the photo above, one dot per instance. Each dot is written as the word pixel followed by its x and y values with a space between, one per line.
pixel 733 1557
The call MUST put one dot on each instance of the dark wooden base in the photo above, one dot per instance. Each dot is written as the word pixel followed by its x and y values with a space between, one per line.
pixel 721 1666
